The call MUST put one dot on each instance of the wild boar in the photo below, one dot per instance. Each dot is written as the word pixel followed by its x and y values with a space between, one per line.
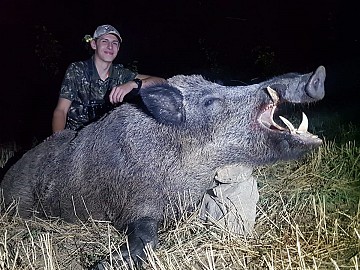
pixel 131 165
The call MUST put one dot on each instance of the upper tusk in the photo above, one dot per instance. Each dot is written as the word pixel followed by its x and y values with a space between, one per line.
pixel 273 94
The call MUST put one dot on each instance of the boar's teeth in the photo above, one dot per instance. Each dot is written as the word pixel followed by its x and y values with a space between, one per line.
pixel 273 94
pixel 288 124
pixel 304 124
pixel 267 118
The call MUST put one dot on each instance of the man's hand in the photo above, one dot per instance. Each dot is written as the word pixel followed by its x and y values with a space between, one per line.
pixel 118 93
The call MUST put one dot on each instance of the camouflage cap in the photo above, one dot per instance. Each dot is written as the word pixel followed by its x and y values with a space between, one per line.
pixel 106 29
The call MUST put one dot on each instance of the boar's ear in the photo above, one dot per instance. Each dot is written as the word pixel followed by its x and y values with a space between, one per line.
pixel 164 103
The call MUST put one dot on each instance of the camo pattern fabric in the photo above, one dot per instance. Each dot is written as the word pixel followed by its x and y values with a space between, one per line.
pixel 83 86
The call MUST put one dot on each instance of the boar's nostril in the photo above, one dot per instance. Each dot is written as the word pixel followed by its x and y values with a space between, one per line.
pixel 315 86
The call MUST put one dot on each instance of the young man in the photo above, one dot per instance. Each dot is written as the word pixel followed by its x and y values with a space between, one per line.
pixel 91 87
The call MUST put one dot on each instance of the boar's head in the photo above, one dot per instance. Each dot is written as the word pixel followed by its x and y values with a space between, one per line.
pixel 235 123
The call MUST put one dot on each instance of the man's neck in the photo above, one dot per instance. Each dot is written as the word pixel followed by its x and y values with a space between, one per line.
pixel 103 68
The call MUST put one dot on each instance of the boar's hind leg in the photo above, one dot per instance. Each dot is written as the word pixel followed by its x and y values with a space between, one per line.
pixel 18 200
pixel 141 232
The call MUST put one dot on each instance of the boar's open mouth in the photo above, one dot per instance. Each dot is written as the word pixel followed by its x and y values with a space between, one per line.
pixel 301 133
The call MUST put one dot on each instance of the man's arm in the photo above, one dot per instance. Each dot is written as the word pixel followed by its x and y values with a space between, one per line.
pixel 118 93
pixel 149 80
pixel 60 114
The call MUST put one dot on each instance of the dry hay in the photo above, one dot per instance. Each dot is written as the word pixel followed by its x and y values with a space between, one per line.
pixel 308 218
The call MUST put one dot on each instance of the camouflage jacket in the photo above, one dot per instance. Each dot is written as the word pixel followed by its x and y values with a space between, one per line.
pixel 88 93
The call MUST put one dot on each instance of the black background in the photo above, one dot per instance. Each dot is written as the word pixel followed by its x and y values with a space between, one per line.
pixel 237 42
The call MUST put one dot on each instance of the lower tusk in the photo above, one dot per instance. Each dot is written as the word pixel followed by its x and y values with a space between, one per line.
pixel 304 124
pixel 288 124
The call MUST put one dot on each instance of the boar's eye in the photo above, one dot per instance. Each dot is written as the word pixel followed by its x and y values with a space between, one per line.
pixel 210 101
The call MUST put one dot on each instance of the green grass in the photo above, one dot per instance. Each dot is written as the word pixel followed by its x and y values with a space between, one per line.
pixel 313 205
pixel 308 218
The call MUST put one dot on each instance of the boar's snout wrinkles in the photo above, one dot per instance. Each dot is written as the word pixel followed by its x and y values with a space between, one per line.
pixel 130 166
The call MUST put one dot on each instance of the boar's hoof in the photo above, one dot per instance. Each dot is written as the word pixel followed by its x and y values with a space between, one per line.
pixel 116 262
pixel 103 265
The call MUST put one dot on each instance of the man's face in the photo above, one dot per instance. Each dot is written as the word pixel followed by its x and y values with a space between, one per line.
pixel 106 47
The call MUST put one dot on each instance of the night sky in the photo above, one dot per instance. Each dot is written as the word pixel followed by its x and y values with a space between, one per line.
pixel 237 42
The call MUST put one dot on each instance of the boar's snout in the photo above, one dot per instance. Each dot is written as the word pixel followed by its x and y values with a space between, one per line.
pixel 315 86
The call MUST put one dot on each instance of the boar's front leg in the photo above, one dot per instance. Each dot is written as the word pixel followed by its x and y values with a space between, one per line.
pixel 141 232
